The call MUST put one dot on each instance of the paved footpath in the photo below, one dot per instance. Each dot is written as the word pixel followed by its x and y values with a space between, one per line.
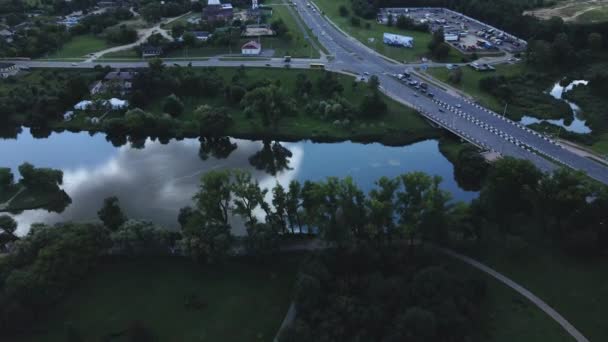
pixel 577 335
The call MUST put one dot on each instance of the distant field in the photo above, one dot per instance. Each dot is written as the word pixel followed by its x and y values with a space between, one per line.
pixel 239 301
pixel 582 11
pixel 80 46
pixel 372 37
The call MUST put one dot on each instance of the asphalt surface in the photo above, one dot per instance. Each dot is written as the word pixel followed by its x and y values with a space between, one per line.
pixel 469 121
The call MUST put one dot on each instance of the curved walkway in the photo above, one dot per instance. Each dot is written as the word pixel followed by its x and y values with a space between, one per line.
pixel 570 329
pixel 577 335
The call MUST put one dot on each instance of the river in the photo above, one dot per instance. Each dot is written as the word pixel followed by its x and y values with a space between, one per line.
pixel 154 181
pixel 577 125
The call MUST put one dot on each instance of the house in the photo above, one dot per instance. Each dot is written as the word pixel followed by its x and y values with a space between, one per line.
pixel 251 48
pixel 8 69
pixel 6 35
pixel 151 51
pixel 398 40
pixel 202 36
pixel 121 81
pixel 216 11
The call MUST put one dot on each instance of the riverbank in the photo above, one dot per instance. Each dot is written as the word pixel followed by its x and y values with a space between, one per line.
pixel 399 125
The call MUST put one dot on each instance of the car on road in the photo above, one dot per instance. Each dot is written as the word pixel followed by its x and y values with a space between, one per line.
pixel 267 64
pixel 74 64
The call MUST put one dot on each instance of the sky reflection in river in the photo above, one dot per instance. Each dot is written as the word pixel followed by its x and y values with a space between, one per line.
pixel 152 183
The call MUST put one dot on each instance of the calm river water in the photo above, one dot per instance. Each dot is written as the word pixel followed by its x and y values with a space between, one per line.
pixel 153 182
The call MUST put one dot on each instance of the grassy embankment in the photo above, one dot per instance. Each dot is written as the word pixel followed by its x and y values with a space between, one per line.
pixel 238 301
pixel 530 98
pixel 421 39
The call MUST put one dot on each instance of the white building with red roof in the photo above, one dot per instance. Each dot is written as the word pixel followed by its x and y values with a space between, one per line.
pixel 251 48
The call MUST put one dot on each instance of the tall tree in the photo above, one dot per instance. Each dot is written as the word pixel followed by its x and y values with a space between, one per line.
pixel 111 214
pixel 214 195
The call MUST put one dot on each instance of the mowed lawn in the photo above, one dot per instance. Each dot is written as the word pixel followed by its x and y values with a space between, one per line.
pixel 576 288
pixel 506 316
pixel 376 31
pixel 597 15
pixel 469 83
pixel 239 300
pixel 80 46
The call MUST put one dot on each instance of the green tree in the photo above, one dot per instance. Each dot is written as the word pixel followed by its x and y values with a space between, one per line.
pixel 248 196
pixel 213 120
pixel 455 76
pixel 214 195
pixel 111 214
pixel 206 239
pixel 40 178
pixel 7 180
pixel 173 105
pixel 279 202
pixel 510 189
pixel 343 11
pixel 269 102
pixel 292 205
pixel 381 207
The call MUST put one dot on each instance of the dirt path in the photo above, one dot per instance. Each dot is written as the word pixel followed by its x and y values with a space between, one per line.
pixel 143 35
pixel 564 10
pixel 5 205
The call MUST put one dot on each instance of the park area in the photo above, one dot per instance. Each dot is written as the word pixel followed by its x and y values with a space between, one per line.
pixel 79 46
pixel 372 36
pixel 175 299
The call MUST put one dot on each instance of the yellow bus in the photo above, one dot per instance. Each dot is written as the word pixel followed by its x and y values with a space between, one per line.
pixel 317 66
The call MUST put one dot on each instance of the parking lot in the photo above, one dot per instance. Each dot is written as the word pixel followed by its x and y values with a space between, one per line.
pixel 464 33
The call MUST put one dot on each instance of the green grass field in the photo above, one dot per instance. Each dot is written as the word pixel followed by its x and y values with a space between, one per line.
pixel 594 16
pixel 469 83
pixel 80 46
pixel 400 123
pixel 511 317
pixel 240 301
pixel 576 288
pixel 375 32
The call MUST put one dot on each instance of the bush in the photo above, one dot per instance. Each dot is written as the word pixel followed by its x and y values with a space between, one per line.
pixel 173 105
pixel 355 21
pixel 343 11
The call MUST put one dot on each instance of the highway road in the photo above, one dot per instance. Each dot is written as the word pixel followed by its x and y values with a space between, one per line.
pixel 468 120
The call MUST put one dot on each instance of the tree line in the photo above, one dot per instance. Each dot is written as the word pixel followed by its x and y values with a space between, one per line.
pixel 517 204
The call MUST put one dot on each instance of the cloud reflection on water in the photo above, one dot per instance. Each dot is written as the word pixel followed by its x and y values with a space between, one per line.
pixel 152 183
